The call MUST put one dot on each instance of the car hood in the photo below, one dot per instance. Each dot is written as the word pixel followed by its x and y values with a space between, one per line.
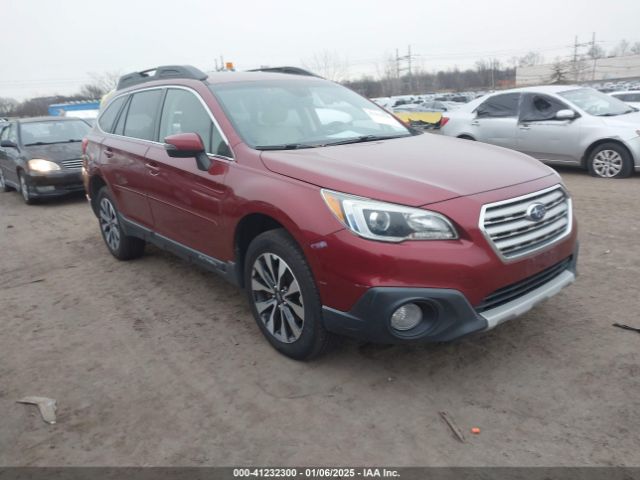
pixel 56 152
pixel 628 120
pixel 413 171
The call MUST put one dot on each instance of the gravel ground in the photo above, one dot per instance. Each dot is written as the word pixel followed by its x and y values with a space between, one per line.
pixel 155 362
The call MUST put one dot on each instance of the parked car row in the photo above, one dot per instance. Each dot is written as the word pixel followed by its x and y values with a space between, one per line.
pixel 334 216
pixel 559 125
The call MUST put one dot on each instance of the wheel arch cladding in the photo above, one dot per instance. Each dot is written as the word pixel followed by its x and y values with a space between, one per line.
pixel 96 182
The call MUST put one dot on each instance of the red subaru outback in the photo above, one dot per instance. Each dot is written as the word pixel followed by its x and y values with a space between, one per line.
pixel 335 217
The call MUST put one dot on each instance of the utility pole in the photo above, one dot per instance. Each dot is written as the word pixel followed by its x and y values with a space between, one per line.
pixel 397 64
pixel 409 68
pixel 595 58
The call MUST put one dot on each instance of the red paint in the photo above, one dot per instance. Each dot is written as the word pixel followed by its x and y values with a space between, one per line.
pixel 202 209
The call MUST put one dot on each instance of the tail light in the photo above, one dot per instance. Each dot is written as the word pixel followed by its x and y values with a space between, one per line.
pixel 444 121
pixel 85 143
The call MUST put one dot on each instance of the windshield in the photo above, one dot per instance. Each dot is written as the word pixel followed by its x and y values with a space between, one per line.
pixel 596 103
pixel 302 114
pixel 53 131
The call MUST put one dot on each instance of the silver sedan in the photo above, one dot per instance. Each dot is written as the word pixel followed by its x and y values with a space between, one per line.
pixel 559 125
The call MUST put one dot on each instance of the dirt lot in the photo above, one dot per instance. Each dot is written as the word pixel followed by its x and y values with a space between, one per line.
pixel 155 362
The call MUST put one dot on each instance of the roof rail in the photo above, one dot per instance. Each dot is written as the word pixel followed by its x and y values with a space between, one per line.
pixel 289 70
pixel 159 73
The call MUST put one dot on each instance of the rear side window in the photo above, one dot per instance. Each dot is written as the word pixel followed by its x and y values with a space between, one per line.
pixel 184 113
pixel 108 117
pixel 628 97
pixel 500 106
pixel 142 115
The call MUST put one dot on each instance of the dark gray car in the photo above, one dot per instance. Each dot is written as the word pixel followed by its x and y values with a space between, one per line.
pixel 42 157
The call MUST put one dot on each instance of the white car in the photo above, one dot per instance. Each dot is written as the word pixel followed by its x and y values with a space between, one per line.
pixel 559 125
pixel 630 97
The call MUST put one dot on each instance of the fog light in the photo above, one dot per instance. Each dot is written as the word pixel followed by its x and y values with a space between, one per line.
pixel 406 317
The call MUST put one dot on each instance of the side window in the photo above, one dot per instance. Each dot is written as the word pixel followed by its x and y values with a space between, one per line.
pixel 119 127
pixel 108 117
pixel 184 113
pixel 142 114
pixel 12 133
pixel 537 107
pixel 499 106
pixel 5 133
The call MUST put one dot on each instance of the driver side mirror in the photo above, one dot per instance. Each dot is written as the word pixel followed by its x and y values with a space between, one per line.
pixel 187 145
pixel 8 144
pixel 565 114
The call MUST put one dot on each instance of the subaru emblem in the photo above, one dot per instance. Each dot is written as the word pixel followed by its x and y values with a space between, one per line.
pixel 536 212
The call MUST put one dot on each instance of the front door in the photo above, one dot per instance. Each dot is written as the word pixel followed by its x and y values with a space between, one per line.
pixel 544 137
pixel 186 202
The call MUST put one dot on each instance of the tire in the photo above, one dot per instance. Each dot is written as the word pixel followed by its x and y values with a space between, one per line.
pixel 121 246
pixel 3 184
pixel 290 317
pixel 24 190
pixel 610 160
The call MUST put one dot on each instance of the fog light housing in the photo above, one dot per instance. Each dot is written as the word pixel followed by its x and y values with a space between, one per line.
pixel 406 317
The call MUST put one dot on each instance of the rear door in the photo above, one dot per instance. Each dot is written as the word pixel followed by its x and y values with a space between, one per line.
pixel 124 154
pixel 496 120
pixel 185 201
pixel 544 137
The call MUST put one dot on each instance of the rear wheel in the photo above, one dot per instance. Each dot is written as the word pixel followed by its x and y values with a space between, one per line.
pixel 121 246
pixel 610 160
pixel 3 184
pixel 283 296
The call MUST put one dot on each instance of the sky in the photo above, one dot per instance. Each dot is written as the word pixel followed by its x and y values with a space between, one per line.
pixel 53 47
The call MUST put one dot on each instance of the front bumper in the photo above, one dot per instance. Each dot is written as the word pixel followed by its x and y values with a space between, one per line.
pixel 54 184
pixel 448 315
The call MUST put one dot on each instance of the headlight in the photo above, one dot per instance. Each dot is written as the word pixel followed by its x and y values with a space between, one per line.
pixel 42 166
pixel 386 221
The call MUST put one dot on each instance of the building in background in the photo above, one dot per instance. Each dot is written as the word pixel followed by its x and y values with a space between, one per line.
pixel 580 71
pixel 87 110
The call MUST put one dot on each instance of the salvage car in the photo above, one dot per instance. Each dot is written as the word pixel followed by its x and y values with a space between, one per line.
pixel 41 157
pixel 559 125
pixel 360 227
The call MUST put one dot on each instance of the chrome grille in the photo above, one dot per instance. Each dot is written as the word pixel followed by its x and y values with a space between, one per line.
pixel 513 233
pixel 75 163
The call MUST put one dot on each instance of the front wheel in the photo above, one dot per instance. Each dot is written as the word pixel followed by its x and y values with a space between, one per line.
pixel 610 160
pixel 24 190
pixel 283 296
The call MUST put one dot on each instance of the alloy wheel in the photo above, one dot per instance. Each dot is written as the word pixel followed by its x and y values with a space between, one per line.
pixel 109 224
pixel 607 163
pixel 277 297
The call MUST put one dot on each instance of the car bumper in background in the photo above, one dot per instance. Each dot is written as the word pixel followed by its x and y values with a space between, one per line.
pixel 447 313
pixel 54 184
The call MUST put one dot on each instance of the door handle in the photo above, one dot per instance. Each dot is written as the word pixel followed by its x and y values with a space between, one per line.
pixel 153 168
pixel 525 127
pixel 475 123
pixel 108 153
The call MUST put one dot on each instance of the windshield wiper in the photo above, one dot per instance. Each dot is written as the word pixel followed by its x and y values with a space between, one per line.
pixel 611 114
pixel 52 143
pixel 363 138
pixel 285 146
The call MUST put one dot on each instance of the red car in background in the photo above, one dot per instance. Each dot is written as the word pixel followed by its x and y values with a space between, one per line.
pixel 334 216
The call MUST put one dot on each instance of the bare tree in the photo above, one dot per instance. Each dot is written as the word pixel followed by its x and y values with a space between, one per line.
pixel 621 49
pixel 595 52
pixel 560 72
pixel 531 59
pixel 7 106
pixel 100 84
pixel 329 65
pixel 635 48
